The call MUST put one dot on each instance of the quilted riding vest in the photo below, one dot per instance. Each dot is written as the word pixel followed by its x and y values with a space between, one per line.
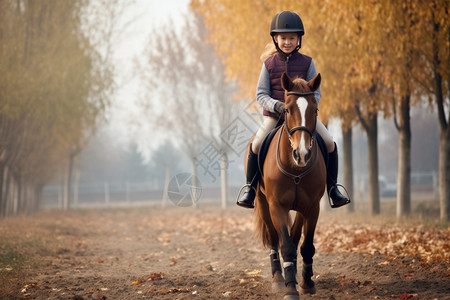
pixel 297 65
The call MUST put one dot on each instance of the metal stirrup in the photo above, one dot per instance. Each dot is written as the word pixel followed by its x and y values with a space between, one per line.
pixel 335 187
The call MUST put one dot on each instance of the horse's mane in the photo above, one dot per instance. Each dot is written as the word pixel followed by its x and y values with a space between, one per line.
pixel 301 84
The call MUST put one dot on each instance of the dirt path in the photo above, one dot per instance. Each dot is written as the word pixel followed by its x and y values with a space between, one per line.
pixel 181 253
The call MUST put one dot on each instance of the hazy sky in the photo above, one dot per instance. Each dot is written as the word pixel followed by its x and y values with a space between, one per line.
pixel 146 16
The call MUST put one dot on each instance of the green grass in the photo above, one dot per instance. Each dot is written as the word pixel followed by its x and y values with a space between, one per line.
pixel 17 258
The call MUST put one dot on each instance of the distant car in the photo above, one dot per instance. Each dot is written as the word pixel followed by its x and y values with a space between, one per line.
pixel 387 188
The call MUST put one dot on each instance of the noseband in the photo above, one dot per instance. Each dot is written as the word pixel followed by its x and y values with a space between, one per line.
pixel 297 128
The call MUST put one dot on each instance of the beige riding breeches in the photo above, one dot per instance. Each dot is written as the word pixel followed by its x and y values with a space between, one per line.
pixel 269 123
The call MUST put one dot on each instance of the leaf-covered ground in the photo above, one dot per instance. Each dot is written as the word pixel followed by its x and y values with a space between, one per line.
pixel 182 253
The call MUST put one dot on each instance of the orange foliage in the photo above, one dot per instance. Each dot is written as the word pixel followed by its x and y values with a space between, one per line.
pixel 365 51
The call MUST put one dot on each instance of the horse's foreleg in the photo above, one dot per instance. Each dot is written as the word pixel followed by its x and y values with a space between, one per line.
pixel 289 252
pixel 280 219
pixel 275 264
pixel 308 250
pixel 270 237
pixel 296 231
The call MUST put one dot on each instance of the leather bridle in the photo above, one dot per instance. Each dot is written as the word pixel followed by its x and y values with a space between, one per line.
pixel 301 128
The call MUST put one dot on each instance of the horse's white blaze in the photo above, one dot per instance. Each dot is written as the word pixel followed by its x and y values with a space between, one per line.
pixel 302 105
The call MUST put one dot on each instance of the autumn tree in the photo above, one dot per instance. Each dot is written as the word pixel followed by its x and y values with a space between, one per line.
pixel 434 78
pixel 400 28
pixel 372 56
pixel 51 94
pixel 217 93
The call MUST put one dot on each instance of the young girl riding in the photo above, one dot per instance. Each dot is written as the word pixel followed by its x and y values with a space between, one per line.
pixel 286 31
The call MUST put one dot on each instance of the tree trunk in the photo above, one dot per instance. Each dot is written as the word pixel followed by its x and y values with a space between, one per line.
pixel 404 160
pixel 61 193
pixel 13 201
pixel 195 191
pixel 76 186
pixel 444 128
pixel 68 183
pixel 348 165
pixel 444 174
pixel 372 140
pixel 370 125
pixel 2 189
pixel 7 192
pixel 17 196
pixel 224 179
pixel 66 190
pixel 166 187
pixel 37 197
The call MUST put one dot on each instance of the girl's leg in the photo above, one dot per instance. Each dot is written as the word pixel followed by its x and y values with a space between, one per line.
pixel 337 198
pixel 269 123
pixel 248 197
pixel 328 139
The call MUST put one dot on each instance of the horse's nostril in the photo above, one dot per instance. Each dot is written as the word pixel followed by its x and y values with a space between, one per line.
pixel 295 154
pixel 308 155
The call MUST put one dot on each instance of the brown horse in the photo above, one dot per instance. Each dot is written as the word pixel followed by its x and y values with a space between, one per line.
pixel 294 178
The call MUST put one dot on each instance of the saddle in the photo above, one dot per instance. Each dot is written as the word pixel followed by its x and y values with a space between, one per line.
pixel 264 148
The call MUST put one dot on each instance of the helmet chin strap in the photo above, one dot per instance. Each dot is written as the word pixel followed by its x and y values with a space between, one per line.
pixel 287 56
pixel 281 51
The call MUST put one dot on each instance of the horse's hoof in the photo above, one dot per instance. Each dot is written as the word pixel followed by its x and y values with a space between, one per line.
pixel 292 293
pixel 308 288
pixel 278 282
pixel 291 297
pixel 278 286
pixel 311 290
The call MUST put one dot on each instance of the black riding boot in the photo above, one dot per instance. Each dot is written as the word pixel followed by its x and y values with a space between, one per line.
pixel 337 199
pixel 252 181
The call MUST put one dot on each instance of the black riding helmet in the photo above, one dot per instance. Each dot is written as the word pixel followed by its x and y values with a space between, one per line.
pixel 287 21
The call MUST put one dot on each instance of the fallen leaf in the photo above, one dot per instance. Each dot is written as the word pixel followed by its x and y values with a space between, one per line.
pixel 255 272
pixel 367 282
pixel 156 276
pixel 384 263
pixel 406 296
pixel 226 294
pixel 173 261
pixel 100 261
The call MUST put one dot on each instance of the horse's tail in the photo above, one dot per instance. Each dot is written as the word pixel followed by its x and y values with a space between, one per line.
pixel 262 216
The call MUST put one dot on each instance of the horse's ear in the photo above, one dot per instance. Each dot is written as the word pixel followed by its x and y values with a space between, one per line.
pixel 315 82
pixel 286 82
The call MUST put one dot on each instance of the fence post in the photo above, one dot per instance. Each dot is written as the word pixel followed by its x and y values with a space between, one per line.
pixel 127 192
pixel 106 192
pixel 435 185
pixel 75 186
